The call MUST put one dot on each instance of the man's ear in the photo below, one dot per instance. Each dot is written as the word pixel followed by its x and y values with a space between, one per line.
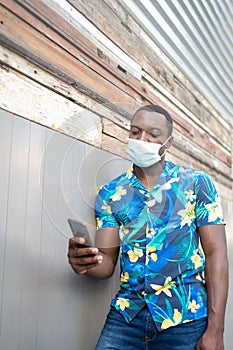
pixel 169 142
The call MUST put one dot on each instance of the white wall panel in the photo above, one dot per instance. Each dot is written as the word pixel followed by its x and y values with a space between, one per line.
pixel 15 231
pixel 5 156
pixel 31 242
pixel 46 178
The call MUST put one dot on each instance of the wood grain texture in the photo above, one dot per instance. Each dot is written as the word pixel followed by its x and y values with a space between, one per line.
pixel 58 56
pixel 133 40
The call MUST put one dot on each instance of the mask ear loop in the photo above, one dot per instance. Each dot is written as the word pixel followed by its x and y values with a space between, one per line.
pixel 166 141
pixel 165 151
pixel 162 155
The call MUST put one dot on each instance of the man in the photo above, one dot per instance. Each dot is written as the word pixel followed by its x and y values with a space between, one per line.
pixel 154 215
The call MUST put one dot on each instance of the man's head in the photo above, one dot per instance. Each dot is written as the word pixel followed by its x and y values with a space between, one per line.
pixel 151 123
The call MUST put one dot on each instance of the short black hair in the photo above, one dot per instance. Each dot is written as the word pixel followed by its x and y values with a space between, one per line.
pixel 160 110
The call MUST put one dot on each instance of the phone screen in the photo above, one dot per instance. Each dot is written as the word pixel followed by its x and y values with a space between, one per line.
pixel 80 230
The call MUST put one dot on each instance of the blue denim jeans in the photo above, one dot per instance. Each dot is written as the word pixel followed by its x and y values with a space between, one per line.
pixel 141 333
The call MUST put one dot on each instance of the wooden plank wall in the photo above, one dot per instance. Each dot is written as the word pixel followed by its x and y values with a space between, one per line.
pixel 83 68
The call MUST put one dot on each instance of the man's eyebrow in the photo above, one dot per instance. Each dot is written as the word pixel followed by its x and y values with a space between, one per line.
pixel 149 129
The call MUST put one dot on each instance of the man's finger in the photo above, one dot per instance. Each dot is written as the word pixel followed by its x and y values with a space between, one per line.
pixel 74 241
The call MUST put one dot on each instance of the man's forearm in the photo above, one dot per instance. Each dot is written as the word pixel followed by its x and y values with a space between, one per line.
pixel 217 280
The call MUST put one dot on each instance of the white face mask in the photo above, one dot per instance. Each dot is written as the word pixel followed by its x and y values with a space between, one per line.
pixel 144 154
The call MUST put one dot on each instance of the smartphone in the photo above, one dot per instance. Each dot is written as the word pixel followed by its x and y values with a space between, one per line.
pixel 80 230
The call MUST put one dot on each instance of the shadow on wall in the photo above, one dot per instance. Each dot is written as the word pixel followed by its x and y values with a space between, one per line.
pixel 228 210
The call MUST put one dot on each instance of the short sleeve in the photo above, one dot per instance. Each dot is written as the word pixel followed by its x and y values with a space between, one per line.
pixel 103 211
pixel 208 203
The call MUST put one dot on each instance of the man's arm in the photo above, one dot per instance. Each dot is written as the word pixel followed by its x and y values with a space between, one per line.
pixel 213 240
pixel 92 261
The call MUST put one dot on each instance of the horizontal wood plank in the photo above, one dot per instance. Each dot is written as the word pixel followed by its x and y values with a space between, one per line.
pixel 52 55
pixel 26 98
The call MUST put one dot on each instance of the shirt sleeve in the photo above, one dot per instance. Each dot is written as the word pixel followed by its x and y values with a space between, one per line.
pixel 103 211
pixel 208 203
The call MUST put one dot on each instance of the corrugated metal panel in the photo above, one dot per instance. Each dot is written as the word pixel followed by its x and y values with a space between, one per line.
pixel 198 38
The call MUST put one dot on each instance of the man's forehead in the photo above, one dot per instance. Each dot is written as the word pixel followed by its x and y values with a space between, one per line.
pixel 155 119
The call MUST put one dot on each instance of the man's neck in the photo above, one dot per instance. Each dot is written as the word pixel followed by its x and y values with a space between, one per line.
pixel 148 176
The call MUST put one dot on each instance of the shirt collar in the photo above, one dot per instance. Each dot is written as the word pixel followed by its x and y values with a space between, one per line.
pixel 170 170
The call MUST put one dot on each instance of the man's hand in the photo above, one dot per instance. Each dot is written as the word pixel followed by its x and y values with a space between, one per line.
pixel 211 341
pixel 95 262
pixel 82 258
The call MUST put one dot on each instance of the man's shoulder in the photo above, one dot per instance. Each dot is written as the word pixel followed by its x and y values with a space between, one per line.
pixel 121 180
pixel 184 171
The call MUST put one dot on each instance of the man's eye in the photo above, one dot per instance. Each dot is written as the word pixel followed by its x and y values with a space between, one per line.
pixel 135 132
pixel 154 135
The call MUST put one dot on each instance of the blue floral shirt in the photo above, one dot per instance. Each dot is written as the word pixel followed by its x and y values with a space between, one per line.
pixel 161 262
